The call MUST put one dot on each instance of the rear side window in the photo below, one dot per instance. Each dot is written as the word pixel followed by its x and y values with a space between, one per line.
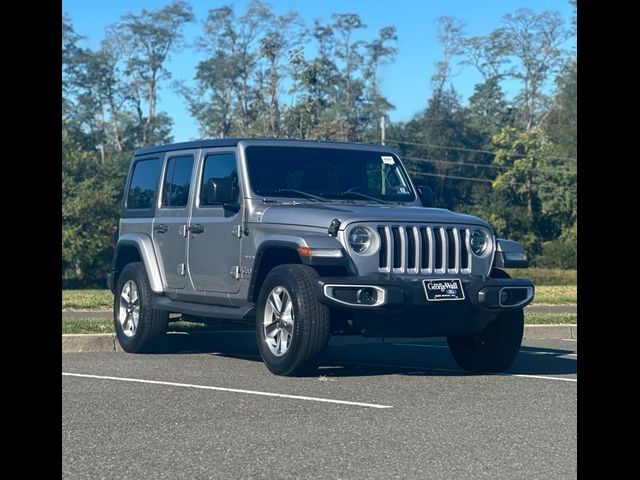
pixel 144 184
pixel 177 181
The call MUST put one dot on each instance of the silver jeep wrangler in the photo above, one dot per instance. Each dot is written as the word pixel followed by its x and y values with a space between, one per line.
pixel 308 239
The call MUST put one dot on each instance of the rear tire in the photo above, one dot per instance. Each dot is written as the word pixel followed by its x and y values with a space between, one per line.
pixel 138 326
pixel 292 327
pixel 492 350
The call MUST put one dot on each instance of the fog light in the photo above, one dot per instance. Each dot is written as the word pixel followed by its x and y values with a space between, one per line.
pixel 504 297
pixel 367 296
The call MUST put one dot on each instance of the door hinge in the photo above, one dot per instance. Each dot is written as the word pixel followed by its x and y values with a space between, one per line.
pixel 182 270
pixel 235 272
pixel 240 230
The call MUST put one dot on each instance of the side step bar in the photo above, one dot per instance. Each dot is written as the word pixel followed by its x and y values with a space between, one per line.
pixel 200 310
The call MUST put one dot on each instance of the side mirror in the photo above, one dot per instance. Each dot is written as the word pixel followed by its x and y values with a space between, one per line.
pixel 426 195
pixel 220 191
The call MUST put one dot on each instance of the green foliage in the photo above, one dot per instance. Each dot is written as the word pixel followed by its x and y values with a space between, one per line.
pixel 535 192
pixel 560 252
pixel 91 194
pixel 561 124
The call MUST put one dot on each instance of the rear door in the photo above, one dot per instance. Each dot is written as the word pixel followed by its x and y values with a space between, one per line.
pixel 172 217
pixel 214 246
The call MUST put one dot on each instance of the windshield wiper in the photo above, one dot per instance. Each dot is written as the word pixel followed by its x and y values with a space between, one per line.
pixel 300 192
pixel 363 195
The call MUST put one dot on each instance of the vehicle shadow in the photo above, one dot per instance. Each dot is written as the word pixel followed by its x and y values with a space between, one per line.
pixel 355 356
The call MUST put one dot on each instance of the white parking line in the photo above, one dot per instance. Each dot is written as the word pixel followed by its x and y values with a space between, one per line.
pixel 544 377
pixel 232 390
pixel 569 339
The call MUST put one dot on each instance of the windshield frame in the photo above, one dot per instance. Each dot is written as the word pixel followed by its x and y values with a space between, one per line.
pixel 412 198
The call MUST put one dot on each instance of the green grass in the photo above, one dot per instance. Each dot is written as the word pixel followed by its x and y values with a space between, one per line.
pixel 87 299
pixel 87 325
pixel 545 276
pixel 550 318
pixel 556 295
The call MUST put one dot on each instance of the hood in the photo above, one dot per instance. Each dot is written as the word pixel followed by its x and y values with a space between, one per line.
pixel 321 215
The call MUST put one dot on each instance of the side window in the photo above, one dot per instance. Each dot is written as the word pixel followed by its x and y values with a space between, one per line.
pixel 144 183
pixel 177 181
pixel 218 166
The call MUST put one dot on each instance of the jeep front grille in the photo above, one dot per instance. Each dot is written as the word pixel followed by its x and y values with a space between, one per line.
pixel 421 249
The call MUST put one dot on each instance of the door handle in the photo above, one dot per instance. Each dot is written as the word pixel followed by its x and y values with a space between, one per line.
pixel 197 228
pixel 162 228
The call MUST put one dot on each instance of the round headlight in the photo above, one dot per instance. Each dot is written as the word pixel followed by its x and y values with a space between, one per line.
pixel 479 242
pixel 363 240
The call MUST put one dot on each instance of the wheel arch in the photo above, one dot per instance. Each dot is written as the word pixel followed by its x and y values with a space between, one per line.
pixel 270 254
pixel 137 248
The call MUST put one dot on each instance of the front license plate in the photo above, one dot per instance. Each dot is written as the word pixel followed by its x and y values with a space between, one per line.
pixel 443 289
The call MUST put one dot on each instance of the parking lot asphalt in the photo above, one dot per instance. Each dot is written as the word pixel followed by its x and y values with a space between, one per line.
pixel 398 408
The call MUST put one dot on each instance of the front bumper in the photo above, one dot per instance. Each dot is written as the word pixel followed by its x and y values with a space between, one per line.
pixel 405 310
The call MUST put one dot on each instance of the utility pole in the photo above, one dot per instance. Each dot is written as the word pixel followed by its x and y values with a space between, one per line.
pixel 382 131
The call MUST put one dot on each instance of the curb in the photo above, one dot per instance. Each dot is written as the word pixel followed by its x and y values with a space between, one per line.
pixel 539 332
pixel 106 342
pixel 90 342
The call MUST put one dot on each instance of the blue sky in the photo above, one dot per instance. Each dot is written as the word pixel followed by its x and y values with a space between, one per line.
pixel 405 82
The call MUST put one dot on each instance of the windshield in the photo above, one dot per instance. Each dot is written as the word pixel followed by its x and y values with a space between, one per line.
pixel 331 173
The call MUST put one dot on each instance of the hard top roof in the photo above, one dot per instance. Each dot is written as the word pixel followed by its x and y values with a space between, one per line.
pixel 232 142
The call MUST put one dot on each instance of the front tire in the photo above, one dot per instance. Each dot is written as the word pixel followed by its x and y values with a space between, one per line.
pixel 292 327
pixel 137 325
pixel 492 350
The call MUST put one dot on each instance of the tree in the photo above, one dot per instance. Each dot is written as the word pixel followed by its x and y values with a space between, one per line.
pixel 212 100
pixel 148 40
pixel 91 194
pixel 315 87
pixel 283 34
pixel 238 84
pixel 541 184
pixel 350 86
pixel 450 37
pixel 489 110
pixel 380 51
pixel 536 42
pixel 561 123
pixel 529 48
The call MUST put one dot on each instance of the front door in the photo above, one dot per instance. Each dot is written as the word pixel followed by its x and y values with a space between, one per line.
pixel 213 243
pixel 170 224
